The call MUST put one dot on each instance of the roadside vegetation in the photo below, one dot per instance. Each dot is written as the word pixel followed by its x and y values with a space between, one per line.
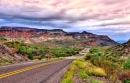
pixel 34 51
pixel 5 61
pixel 82 69
pixel 100 65
pixel 16 51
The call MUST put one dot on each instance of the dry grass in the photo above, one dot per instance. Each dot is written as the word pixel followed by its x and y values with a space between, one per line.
pixel 85 69
pixel 98 71
pixel 68 77
pixel 89 68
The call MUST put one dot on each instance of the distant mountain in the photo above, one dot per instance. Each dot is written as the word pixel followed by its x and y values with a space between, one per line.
pixel 121 41
pixel 31 35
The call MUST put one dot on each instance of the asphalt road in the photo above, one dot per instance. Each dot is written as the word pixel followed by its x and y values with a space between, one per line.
pixel 40 72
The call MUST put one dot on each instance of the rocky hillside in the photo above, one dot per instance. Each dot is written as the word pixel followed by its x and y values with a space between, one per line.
pixel 8 55
pixel 101 40
pixel 105 41
pixel 122 50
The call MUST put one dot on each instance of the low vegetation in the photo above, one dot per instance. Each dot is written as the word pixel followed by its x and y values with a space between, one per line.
pixel 35 51
pixel 17 51
pixel 68 77
pixel 5 61
pixel 127 64
pixel 101 62
pixel 84 70
pixel 112 63
pixel 89 68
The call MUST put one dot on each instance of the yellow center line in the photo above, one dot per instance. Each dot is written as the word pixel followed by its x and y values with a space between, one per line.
pixel 26 69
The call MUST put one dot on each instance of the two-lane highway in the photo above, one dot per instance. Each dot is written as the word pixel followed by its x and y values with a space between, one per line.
pixel 41 72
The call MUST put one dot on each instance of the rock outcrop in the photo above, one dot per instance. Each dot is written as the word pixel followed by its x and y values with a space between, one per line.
pixel 10 55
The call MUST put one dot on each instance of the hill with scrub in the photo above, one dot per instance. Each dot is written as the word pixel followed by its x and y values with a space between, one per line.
pixel 123 50
pixel 15 52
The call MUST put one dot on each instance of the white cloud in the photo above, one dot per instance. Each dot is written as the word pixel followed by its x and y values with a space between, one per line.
pixel 91 15
pixel 2 20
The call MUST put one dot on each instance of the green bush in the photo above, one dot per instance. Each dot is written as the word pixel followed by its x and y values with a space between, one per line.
pixel 31 57
pixel 6 59
pixel 35 50
pixel 93 50
pixel 3 39
pixel 127 81
pixel 127 64
pixel 83 74
pixel 88 57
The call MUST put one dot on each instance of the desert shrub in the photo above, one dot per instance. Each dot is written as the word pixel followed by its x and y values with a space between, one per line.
pixel 2 64
pixel 83 74
pixel 31 57
pixel 88 57
pixel 9 44
pixel 93 50
pixel 63 52
pixel 6 59
pixel 3 39
pixel 127 64
pixel 121 53
pixel 127 81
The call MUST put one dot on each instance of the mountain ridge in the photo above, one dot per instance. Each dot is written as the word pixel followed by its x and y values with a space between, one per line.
pixel 30 35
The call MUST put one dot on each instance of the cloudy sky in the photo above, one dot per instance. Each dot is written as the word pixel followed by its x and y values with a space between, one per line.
pixel 107 17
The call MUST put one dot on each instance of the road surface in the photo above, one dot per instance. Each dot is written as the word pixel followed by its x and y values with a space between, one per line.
pixel 40 72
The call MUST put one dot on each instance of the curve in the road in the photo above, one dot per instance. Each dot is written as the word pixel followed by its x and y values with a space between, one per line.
pixel 50 73
pixel 26 69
